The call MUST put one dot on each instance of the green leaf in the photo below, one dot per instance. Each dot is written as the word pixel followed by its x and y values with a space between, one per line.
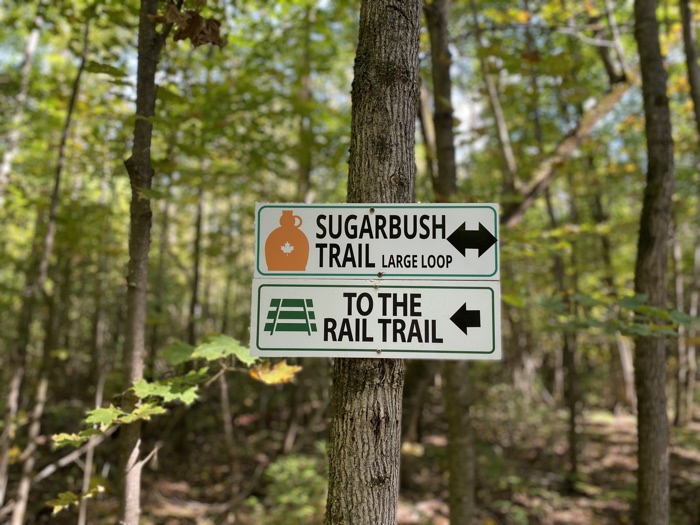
pixel 178 353
pixel 151 194
pixel 143 412
pixel 682 317
pixel 221 346
pixel 63 501
pixel 633 302
pixel 179 388
pixel 104 417
pixel 168 95
pixel 513 300
pixel 75 440
pixel 96 67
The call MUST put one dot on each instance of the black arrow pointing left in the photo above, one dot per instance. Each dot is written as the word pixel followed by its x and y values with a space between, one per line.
pixel 465 319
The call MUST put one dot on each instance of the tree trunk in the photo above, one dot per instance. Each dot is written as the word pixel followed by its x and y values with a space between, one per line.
pixel 445 182
pixel 570 375
pixel 35 280
pixel 195 307
pixel 461 454
pixel 138 165
pixel 680 415
pixel 651 273
pixel 693 332
pixel 621 370
pixel 305 101
pixel 427 130
pixel 13 135
pixel 456 388
pixel 691 58
pixel 365 434
pixel 510 179
pixel 158 289
pixel 55 320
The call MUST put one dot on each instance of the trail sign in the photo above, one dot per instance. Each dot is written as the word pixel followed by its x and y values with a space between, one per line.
pixel 418 241
pixel 373 318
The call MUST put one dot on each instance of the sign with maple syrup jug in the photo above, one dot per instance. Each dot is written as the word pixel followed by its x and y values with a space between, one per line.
pixel 287 247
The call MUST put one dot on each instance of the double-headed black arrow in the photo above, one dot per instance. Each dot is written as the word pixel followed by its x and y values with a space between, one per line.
pixel 464 318
pixel 464 239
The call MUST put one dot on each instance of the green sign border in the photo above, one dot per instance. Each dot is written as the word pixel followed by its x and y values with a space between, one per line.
pixel 383 350
pixel 440 276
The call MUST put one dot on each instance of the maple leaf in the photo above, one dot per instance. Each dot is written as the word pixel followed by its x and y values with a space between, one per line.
pixel 287 248
pixel 276 374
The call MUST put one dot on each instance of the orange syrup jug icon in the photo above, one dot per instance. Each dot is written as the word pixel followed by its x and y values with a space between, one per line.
pixel 287 248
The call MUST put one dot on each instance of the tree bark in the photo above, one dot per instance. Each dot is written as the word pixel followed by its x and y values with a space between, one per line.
pixel 457 387
pixel 138 165
pixel 436 16
pixel 365 434
pixel 651 273
pixel 461 453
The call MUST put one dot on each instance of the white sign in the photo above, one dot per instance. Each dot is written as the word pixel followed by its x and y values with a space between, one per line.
pixel 365 318
pixel 421 241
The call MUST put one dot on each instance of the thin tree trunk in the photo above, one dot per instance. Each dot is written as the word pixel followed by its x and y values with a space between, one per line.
pixel 544 172
pixel 680 417
pixel 158 288
pixel 419 373
pixel 651 273
pixel 622 372
pixel 693 332
pixel 195 307
pixel 445 183
pixel 427 130
pixel 456 387
pixel 305 101
pixel 365 433
pixel 461 453
pixel 138 165
pixel 570 376
pixel 90 454
pixel 510 180
pixel 54 322
pixel 35 280
pixel 691 58
pixel 20 507
pixel 616 40
pixel 14 133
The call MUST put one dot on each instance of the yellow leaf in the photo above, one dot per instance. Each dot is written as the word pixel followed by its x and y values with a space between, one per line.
pixel 276 374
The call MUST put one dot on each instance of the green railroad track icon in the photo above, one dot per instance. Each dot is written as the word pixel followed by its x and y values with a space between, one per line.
pixel 291 315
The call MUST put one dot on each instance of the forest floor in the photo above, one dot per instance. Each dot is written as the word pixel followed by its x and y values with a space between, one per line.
pixel 522 478
pixel 522 464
